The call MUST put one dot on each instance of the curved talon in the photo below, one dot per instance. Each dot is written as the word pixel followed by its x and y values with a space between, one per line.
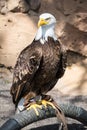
pixel 35 106
pixel 45 103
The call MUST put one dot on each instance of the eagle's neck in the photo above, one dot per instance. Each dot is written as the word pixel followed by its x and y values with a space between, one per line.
pixel 44 32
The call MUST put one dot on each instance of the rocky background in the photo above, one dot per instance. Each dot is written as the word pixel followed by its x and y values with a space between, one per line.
pixel 18 26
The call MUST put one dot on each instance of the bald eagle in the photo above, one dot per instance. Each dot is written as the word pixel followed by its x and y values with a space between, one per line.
pixel 39 65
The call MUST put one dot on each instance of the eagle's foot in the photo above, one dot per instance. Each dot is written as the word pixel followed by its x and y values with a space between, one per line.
pixel 48 100
pixel 39 102
pixel 45 103
pixel 34 106
pixel 34 103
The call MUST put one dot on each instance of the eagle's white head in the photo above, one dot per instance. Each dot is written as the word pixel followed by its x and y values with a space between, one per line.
pixel 46 26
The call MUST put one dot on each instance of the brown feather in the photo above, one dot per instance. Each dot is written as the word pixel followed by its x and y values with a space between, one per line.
pixel 38 68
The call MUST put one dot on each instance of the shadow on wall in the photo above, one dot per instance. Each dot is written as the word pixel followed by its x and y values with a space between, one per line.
pixel 74 39
pixel 1 42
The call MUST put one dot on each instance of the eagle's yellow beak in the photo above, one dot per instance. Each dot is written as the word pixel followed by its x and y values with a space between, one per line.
pixel 42 22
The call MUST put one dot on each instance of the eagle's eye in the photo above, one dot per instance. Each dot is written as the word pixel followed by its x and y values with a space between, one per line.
pixel 47 19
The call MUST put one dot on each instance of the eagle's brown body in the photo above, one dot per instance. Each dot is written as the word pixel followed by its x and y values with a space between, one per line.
pixel 38 68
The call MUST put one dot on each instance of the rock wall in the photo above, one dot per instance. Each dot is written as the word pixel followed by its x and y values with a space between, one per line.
pixel 18 25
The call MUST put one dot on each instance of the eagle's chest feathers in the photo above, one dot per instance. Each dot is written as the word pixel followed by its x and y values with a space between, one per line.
pixel 50 60
pixel 50 55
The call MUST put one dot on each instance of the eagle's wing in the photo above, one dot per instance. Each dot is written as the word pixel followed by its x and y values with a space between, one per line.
pixel 63 62
pixel 27 64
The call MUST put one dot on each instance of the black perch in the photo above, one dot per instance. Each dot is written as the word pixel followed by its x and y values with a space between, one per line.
pixel 25 118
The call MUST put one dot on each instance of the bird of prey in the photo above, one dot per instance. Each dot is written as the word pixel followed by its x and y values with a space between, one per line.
pixel 39 65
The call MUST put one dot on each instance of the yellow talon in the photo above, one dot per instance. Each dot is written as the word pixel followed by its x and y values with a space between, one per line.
pixel 45 103
pixel 35 106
